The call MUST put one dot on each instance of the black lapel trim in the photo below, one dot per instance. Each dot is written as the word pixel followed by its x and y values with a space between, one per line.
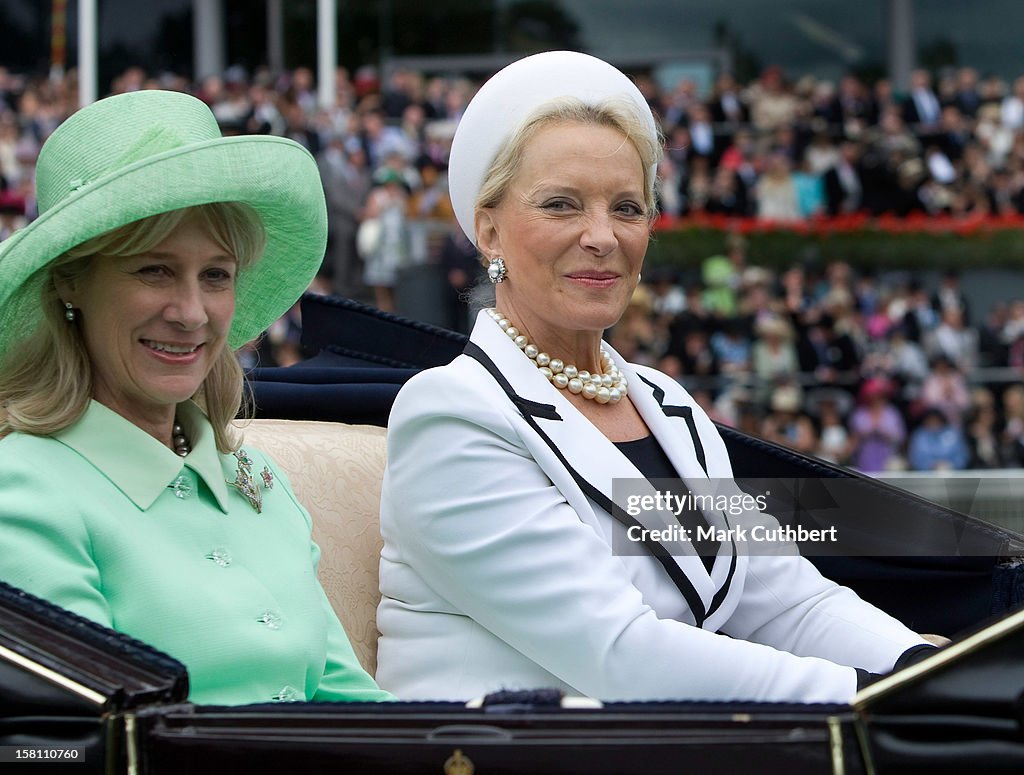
pixel 527 407
pixel 535 409
pixel 660 553
pixel 687 414
pixel 719 597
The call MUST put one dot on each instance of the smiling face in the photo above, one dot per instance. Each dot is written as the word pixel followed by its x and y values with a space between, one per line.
pixel 572 229
pixel 154 323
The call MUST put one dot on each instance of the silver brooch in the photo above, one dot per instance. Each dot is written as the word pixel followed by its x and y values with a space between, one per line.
pixel 244 482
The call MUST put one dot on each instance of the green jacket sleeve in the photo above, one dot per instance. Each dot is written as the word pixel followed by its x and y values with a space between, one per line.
pixel 343 679
pixel 44 544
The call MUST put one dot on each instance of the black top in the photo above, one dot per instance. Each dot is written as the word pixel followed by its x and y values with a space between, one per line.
pixel 650 459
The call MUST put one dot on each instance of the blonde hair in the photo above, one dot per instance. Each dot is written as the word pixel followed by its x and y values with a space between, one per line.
pixel 46 378
pixel 619 114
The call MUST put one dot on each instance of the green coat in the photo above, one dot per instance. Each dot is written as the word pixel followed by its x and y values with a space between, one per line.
pixel 91 520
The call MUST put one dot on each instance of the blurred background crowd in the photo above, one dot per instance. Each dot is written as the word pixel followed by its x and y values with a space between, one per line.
pixel 879 371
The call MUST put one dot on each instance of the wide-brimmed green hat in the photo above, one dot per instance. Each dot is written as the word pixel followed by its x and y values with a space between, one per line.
pixel 134 155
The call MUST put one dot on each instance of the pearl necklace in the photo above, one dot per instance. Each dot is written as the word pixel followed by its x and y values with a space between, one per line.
pixel 606 388
pixel 182 444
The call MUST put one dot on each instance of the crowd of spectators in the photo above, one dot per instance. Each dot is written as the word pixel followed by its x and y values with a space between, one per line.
pixel 874 372
pixel 881 373
pixel 785 152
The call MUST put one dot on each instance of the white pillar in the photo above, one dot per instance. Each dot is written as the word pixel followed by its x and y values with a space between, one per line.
pixel 275 36
pixel 207 38
pixel 901 42
pixel 326 51
pixel 87 46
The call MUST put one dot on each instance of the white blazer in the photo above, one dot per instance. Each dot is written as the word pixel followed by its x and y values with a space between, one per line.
pixel 497 570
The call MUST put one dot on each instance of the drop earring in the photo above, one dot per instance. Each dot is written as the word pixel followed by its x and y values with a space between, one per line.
pixel 69 312
pixel 496 271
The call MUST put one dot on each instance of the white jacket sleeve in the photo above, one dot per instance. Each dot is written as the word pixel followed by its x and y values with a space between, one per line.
pixel 788 604
pixel 477 520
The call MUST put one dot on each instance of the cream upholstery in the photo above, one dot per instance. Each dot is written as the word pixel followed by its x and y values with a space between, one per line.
pixel 335 470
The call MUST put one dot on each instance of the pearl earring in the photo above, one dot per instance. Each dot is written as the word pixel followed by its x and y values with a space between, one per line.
pixel 69 312
pixel 496 271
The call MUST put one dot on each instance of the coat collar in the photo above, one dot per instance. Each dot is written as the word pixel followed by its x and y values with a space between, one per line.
pixel 597 459
pixel 139 465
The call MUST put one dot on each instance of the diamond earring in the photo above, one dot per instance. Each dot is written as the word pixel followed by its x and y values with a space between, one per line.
pixel 496 271
pixel 69 312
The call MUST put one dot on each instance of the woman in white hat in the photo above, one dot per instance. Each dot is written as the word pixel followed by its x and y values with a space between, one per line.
pixel 125 493
pixel 507 562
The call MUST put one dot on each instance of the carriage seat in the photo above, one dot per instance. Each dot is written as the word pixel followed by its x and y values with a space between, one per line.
pixel 335 470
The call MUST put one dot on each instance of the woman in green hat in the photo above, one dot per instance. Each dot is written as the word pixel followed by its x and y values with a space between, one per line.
pixel 126 494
